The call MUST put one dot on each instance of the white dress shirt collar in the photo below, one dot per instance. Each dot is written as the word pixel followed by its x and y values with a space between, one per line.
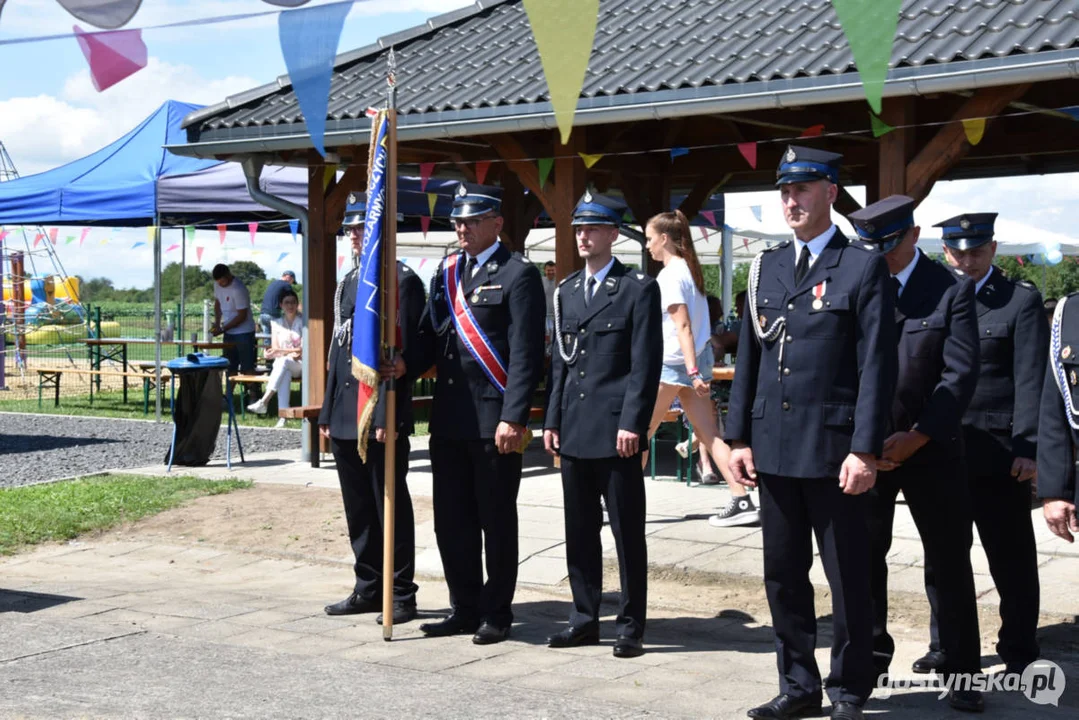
pixel 484 256
pixel 601 275
pixel 816 245
pixel 981 283
pixel 904 275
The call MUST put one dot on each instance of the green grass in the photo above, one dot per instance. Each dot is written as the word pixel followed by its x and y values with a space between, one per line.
pixel 65 510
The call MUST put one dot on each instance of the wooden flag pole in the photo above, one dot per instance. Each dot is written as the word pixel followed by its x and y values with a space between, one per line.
pixel 389 335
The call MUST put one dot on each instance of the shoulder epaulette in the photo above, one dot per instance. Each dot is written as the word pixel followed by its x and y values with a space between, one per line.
pixel 1026 284
pixel 785 243
pixel 863 245
pixel 522 258
pixel 569 277
pixel 641 277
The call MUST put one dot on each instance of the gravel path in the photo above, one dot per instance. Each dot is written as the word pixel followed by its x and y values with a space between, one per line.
pixel 36 448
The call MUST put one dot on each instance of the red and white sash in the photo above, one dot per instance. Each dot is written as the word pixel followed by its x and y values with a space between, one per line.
pixel 469 330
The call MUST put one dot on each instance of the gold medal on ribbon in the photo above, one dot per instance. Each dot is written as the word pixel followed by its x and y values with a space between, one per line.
pixel 475 297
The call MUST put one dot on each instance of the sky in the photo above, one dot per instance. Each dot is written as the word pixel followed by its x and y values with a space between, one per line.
pixel 50 114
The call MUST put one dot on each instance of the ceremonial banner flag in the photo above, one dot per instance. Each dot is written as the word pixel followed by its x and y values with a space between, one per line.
pixel 749 152
pixel 481 170
pixel 367 320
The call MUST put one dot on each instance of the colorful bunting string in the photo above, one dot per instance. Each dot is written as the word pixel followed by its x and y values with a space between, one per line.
pixel 432 200
pixel 140 243
pixel 879 126
pixel 198 254
pixel 174 246
pixel 710 216
pixel 756 210
pixel 52 234
pixel 82 235
pixel 189 233
pixel 590 160
pixel 749 152
pixel 813 131
pixel 282 256
pixel 69 239
pixel 869 26
pixel 151 233
pixel 340 262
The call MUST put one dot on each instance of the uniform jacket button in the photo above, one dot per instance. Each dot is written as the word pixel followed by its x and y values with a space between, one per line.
pixel 582 373
pixel 790 306
pixel 583 353
pixel 582 396
pixel 925 324
pixel 790 338
pixel 449 356
pixel 582 331
pixel 786 371
pixel 786 406
pixel 449 381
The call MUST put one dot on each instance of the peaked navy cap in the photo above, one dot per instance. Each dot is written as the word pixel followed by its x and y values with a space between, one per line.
pixel 473 200
pixel 885 222
pixel 594 209
pixel 803 164
pixel 967 231
pixel 355 210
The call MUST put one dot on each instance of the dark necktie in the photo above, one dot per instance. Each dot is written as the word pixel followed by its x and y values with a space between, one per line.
pixel 896 287
pixel 470 268
pixel 802 268
pixel 589 289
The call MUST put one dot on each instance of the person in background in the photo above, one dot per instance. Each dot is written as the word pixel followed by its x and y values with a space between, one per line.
pixel 725 338
pixel 363 484
pixel 687 355
pixel 707 472
pixel 1050 306
pixel 1058 423
pixel 286 351
pixel 232 318
pixel 270 308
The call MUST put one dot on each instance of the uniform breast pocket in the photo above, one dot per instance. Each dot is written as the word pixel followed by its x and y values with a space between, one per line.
pixel 829 315
pixel 995 342
pixel 999 422
pixel 568 329
pixel 925 335
pixel 611 336
pixel 770 307
pixel 486 296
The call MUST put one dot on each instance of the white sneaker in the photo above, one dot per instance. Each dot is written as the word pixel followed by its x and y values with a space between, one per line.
pixel 739 511
pixel 281 422
pixel 258 407
pixel 682 448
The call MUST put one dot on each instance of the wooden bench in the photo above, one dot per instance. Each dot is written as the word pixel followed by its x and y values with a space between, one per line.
pixel 310 414
pixel 50 377
pixel 261 379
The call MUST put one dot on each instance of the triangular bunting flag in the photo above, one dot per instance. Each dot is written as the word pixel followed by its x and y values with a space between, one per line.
pixel 975 129
pixel 52 234
pixel 189 233
pixel 112 56
pixel 221 230
pixel 869 26
pixel 678 152
pixel 293 227
pixel 704 233
pixel 309 38
pixel 69 239
pixel 813 131
pixel 198 254
pixel 151 233
pixel 282 256
pixel 37 239
pixel 481 170
pixel 710 216
pixel 756 210
pixel 545 165
pixel 425 224
pixel 590 160
pixel 432 200
pixel 328 174
pixel 252 228
pixel 340 262
pixel 82 235
pixel 140 243
pixel 170 248
pixel 564 31
pixel 749 152
pixel 3 234
pixel 879 126
pixel 425 173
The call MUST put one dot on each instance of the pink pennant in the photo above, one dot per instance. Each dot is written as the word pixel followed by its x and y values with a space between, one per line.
pixel 745 243
pixel 221 230
pixel 37 239
pixel 170 248
pixel 82 236
pixel 3 234
pixel 1019 259
pixel 749 152
pixel 52 235
pixel 425 224
pixel 425 173
pixel 481 170
pixel 813 131
pixel 704 233
pixel 710 216
pixel 198 254
pixel 112 56
pixel 340 262
pixel 252 227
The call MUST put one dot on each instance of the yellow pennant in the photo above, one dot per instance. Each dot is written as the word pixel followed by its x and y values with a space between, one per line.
pixel 328 174
pixel 590 160
pixel 151 233
pixel 974 129
pixel 432 198
pixel 564 32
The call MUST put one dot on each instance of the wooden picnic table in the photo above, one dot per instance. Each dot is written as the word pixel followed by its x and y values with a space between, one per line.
pixel 725 372
pixel 115 349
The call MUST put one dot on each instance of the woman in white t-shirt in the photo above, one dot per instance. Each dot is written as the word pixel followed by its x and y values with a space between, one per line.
pixel 286 350
pixel 687 353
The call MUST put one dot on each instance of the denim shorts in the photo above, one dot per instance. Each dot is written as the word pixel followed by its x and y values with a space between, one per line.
pixel 676 374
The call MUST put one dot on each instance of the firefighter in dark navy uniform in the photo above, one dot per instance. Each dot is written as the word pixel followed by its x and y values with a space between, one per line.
pixel 362 484
pixel 1058 422
pixel 808 414
pixel 483 329
pixel 923 456
pixel 1000 430
pixel 607 359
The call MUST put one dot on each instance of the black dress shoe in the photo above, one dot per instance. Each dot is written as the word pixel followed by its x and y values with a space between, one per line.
pixel 489 634
pixel 574 636
pixel 846 711
pixel 788 706
pixel 402 613
pixel 966 700
pixel 353 605
pixel 628 647
pixel 932 660
pixel 453 625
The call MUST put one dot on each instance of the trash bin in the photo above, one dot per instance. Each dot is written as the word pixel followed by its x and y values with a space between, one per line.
pixel 196 410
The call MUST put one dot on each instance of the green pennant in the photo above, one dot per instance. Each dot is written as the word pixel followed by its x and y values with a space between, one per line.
pixel 870 26
pixel 545 165
pixel 564 31
pixel 69 239
pixel 189 233
pixel 879 126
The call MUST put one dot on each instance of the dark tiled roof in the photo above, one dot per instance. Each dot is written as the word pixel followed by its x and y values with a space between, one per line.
pixel 484 59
